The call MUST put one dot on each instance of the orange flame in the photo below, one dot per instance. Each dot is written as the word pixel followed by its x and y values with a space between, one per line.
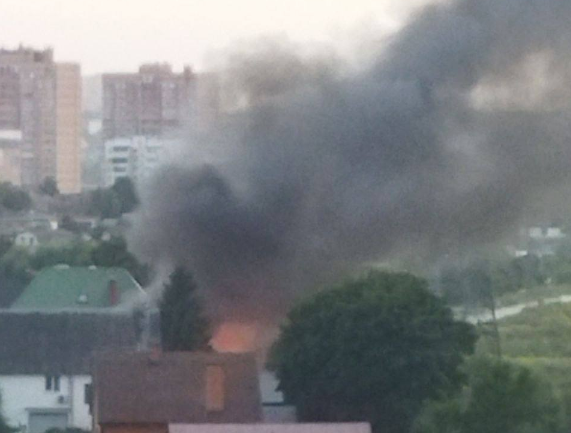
pixel 235 337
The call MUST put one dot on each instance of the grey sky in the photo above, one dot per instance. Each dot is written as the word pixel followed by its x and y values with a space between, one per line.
pixel 117 35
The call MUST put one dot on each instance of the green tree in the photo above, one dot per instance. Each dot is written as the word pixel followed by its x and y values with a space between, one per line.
pixel 4 427
pixel 184 326
pixel 104 203
pixel 500 398
pixel 69 224
pixel 115 253
pixel 75 254
pixel 14 198
pixel 14 275
pixel 49 187
pixel 371 349
pixel 124 189
pixel 5 245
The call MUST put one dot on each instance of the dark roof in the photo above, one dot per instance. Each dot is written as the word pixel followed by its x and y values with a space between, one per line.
pixel 171 388
pixel 64 343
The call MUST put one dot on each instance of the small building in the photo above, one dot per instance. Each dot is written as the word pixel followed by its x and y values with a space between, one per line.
pixel 144 392
pixel 65 288
pixel 27 240
pixel 45 364
pixel 33 239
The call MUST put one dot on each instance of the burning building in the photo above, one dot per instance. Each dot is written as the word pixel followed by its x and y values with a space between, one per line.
pixel 433 146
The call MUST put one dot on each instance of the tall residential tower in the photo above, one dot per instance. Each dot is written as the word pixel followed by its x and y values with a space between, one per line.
pixel 39 122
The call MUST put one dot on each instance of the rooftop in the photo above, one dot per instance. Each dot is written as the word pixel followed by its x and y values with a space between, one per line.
pixel 145 387
pixel 35 343
pixel 78 288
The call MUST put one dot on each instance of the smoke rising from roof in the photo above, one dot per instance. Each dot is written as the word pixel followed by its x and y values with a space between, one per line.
pixel 439 145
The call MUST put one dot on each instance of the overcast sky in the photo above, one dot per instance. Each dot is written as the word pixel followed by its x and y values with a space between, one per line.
pixel 118 35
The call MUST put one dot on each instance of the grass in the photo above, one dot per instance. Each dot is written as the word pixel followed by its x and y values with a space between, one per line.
pixel 539 338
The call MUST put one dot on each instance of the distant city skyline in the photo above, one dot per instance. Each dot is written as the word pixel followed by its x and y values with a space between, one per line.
pixel 119 35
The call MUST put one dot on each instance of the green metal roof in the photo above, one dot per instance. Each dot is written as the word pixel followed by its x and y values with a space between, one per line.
pixel 77 288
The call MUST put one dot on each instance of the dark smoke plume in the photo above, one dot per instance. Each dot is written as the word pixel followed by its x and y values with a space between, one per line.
pixel 438 146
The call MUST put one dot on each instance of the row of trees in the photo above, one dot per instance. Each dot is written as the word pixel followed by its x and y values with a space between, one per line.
pixel 114 201
pixel 383 349
pixel 470 283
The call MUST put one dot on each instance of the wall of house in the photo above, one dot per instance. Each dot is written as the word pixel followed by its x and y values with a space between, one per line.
pixel 21 393
pixel 134 428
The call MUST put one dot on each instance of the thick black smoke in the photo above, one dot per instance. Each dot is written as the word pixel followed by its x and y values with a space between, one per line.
pixel 438 146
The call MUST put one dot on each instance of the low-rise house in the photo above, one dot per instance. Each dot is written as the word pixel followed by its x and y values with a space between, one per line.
pixel 45 364
pixel 33 239
pixel 144 392
pixel 27 240
pixel 65 288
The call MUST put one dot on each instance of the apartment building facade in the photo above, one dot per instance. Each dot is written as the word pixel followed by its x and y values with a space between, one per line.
pixel 155 102
pixel 136 157
pixel 38 119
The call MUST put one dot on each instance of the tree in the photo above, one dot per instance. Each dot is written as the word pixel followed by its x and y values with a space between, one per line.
pixel 183 324
pixel 14 198
pixel 104 203
pixel 371 349
pixel 125 191
pixel 115 253
pixel 69 224
pixel 4 427
pixel 500 398
pixel 14 275
pixel 49 187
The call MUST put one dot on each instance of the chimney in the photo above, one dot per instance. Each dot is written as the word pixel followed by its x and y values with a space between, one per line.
pixel 114 295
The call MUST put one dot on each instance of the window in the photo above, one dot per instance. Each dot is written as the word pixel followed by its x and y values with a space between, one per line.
pixel 53 383
pixel 88 394
pixel 214 388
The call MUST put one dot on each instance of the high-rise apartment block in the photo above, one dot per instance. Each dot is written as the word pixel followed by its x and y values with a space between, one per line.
pixel 155 102
pixel 69 124
pixel 39 122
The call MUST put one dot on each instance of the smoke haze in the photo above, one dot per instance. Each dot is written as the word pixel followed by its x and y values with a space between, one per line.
pixel 439 144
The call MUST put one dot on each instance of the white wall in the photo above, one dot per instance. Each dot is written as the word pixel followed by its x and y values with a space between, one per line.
pixel 20 393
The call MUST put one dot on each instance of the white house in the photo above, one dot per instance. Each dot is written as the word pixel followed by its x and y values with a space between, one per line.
pixel 27 240
pixel 45 364
pixel 34 403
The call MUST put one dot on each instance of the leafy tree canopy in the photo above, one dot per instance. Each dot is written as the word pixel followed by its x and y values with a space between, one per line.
pixel 49 187
pixel 14 198
pixel 114 201
pixel 4 427
pixel 370 349
pixel 125 190
pixel 500 398
pixel 183 324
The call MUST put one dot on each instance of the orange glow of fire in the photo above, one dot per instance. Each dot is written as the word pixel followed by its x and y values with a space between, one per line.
pixel 235 337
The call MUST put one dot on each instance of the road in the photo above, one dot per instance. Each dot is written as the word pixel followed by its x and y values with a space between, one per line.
pixel 512 310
